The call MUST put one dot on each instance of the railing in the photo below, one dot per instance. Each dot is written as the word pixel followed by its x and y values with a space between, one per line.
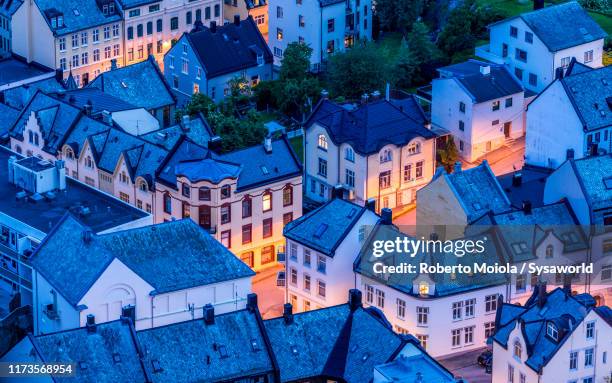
pixel 484 51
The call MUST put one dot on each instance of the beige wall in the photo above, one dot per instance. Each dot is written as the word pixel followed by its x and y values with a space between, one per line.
pixel 438 206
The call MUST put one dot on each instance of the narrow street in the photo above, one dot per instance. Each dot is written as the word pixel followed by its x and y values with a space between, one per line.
pixel 270 297
pixel 464 365
pixel 504 160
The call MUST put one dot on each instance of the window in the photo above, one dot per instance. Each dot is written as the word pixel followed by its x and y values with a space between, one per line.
pixel 407 173
pixel 414 148
pixel 321 289
pixel 519 73
pixel 588 56
pixel 207 13
pixel 306 282
pixel 349 155
pixel 75 61
pixel 247 234
pixel 520 55
pixel 279 12
pixel 369 294
pixel 528 37
pixel 461 125
pixel 75 41
pixel 384 179
pixel 107 52
pixel 293 276
pixel 508 102
pixel 423 340
pixel 462 107
pixel 226 213
pixel 513 31
pixel 330 46
pixel 606 272
pixel 489 328
pixel 217 10
pixel 533 79
pixel 307 257
pixel 491 303
pixel 167 204
pixel 565 62
pixel 106 32
pixel 349 177
pixel 521 282
pixel 457 310
pixel 331 25
pixel 401 308
pixel 130 33
pixel 419 170
pixel 278 52
pixel 174 23
pixel 468 335
pixel 321 264
pixel 279 34
pixel 518 349
pixel 267 228
pixel 510 373
pixel 288 196
pixel 422 316
pixel 115 30
pixel 573 362
pixel 62 44
pixel 322 167
pixel 588 357
pixel 456 337
pixel 386 156
pixel 226 191
pixel 188 17
pixel 470 306
pixel 226 238
pixel 124 197
pixel 267 254
pixel 322 142
pixel 301 21
pixel 380 298
pixel 267 201
pixel 287 217
pixel 551 331
pixel 495 105
pixel 204 193
pixel 247 205
pixel 185 66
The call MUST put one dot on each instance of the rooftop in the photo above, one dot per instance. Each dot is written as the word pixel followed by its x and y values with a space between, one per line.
pixel 563 26
pixel 141 84
pixel 19 97
pixel 408 369
pixel 72 261
pixel 98 100
pixel 497 83
pixel 526 184
pixel 324 228
pixel 232 47
pixel 9 7
pixel 198 131
pixel 595 177
pixel 590 93
pixel 368 127
pixel 103 211
pixel 8 116
pixel 13 69
pixel 78 14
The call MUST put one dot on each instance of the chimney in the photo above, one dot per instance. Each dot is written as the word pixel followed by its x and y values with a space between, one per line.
pixel 107 118
pixel 388 92
pixel 87 236
pixel 371 204
pixel 186 123
pixel 213 26
pixel 559 73
pixel 59 75
pixel 87 108
pixel 542 294
pixel 61 174
pixel 354 299
pixel 268 144
pixel 538 4
pixel 386 216
pixel 209 314
pixel 215 144
pixel 567 284
pixel 338 192
pixel 91 323
pixel 237 20
pixel 569 154
pixel 485 70
pixel 517 179
pixel 251 302
pixel 324 94
pixel 11 169
pixel 113 64
pixel 364 98
pixel 375 95
pixel 457 167
pixel 526 207
pixel 288 313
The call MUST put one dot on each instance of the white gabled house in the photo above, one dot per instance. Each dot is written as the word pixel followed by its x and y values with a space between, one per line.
pixel 539 44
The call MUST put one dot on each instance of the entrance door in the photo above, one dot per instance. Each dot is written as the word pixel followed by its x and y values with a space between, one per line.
pixel 507 129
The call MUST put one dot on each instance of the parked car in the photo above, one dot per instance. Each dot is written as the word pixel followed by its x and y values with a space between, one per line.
pixel 485 358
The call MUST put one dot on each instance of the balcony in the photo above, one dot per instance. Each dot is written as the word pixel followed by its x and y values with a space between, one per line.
pixel 484 51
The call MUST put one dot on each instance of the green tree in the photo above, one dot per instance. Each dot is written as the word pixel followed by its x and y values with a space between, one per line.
pixel 296 97
pixel 399 14
pixel 357 71
pixel 448 154
pixel 457 33
pixel 296 61
pixel 416 50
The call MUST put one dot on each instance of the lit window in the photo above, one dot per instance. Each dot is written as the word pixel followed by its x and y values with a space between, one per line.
pixel 322 142
pixel 267 201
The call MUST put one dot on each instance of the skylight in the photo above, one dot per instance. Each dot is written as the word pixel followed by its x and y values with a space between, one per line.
pixel 320 230
pixel 76 12
pixel 223 352
pixel 264 170
pixel 608 183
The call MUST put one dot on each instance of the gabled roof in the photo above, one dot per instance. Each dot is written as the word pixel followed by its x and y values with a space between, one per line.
pixel 594 175
pixel 9 7
pixel 324 228
pixel 18 97
pixel 368 127
pixel 170 256
pixel 335 342
pixel 564 310
pixel 481 87
pixel 590 92
pixel 8 116
pixel 230 49
pixel 232 347
pixel 98 100
pixel 563 26
pixel 78 14
pixel 198 131
pixel 210 170
pixel 478 191
pixel 108 355
pixel 141 84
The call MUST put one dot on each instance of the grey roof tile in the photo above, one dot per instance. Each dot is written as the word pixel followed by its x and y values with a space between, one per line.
pixel 590 92
pixel 595 176
pixel 19 97
pixel 78 14
pixel 8 116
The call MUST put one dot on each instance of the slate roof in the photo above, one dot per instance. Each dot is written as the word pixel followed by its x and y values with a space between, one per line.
pixel 8 116
pixel 324 228
pixel 560 308
pixel 333 342
pixel 563 26
pixel 411 106
pixel 56 118
pixel 499 83
pixel 189 351
pixel 126 4
pixel 533 180
pixel 78 14
pixel 14 69
pixel 207 169
pixel 19 97
pixel 170 256
pixel 594 174
pixel 96 98
pixel 478 191
pixel 590 93
pixel 408 369
pixel 141 84
pixel 105 211
pixel 198 132
pixel 9 7
pixel 110 354
pixel 446 284
pixel 369 127
pixel 185 150
pixel 231 48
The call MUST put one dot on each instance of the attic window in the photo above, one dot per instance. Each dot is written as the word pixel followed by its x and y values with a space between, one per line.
pixel 351 213
pixel 156 366
pixel 519 247
pixel 476 206
pixel 320 230
pixel 608 183
pixel 116 358
pixel 123 84
pixel 551 331
pixel 569 237
pixel 264 170
pixel 294 350
pixel 76 12
pixel 255 345
pixel 223 352
pixel 365 357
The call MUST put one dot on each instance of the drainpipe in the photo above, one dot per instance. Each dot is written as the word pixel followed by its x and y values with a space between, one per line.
pixel 152 297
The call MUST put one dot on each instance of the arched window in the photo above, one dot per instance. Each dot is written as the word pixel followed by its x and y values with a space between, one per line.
pixel 385 156
pixel 123 177
pixel 88 162
pixel 267 201
pixel 349 154
pixel 226 191
pixel 204 193
pixel 423 288
pixel 69 154
pixel 322 142
pixel 167 203
pixel 288 195
pixel 414 148
pixel 550 250
pixel 518 349
pixel 142 185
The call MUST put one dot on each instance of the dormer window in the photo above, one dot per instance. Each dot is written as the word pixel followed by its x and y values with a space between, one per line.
pixel 385 156
pixel 423 288
pixel 552 331
pixel 518 349
pixel 57 21
pixel 260 60
pixel 322 142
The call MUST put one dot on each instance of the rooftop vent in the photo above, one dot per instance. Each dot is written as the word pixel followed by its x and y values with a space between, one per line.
pixel 36 176
pixel 91 323
pixel 288 313
pixel 485 70
pixel 209 314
